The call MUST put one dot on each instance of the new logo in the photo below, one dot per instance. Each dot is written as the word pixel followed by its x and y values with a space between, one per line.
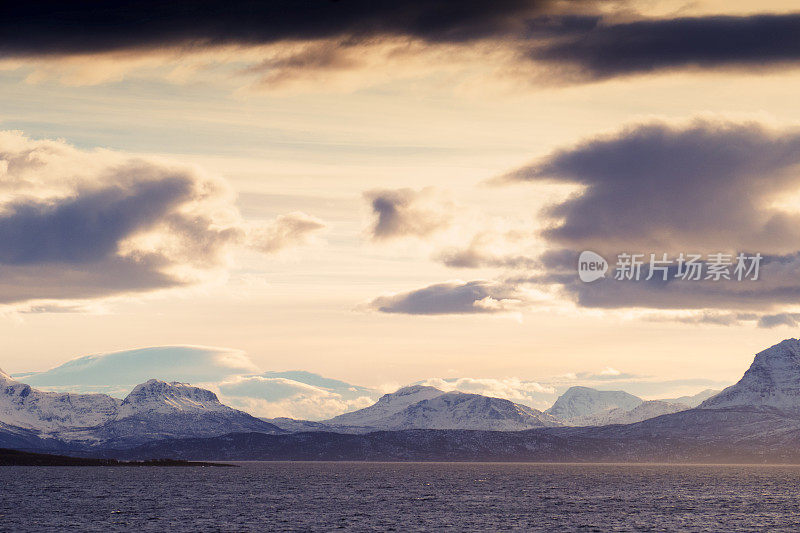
pixel 591 266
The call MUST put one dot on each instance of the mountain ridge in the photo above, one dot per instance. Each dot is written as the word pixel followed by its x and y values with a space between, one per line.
pixel 153 410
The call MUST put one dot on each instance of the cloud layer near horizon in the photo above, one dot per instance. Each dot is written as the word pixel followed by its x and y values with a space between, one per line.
pixel 78 224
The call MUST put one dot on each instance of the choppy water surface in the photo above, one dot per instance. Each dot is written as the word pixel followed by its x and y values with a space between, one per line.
pixel 401 497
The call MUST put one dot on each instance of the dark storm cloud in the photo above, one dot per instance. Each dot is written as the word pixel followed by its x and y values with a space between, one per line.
pixel 473 297
pixel 78 27
pixel 607 50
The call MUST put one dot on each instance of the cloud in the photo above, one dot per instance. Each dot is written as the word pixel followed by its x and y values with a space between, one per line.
pixel 698 185
pixel 285 43
pixel 285 231
pixel 606 374
pixel 528 393
pixel 778 285
pixel 78 224
pixel 56 28
pixel 716 318
pixel 117 373
pixel 596 50
pixel 486 249
pixel 405 212
pixel 706 187
pixel 780 319
pixel 452 297
pixel 542 393
pixel 267 396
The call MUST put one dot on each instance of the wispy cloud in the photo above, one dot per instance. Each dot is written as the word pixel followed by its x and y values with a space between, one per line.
pixel 408 213
pixel 452 297
pixel 285 231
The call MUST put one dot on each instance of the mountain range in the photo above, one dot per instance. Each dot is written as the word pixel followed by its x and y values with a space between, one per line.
pixel 756 419
pixel 153 410
pixel 421 407
pixel 156 409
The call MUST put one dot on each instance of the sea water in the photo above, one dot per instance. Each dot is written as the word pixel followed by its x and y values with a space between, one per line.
pixel 264 496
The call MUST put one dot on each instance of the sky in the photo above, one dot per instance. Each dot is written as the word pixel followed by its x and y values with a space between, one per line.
pixel 386 193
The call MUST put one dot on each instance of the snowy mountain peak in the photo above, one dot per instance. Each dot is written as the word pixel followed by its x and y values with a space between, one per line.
pixel 387 405
pixel 412 394
pixel 25 407
pixel 153 410
pixel 773 380
pixel 581 402
pixel 423 407
pixel 459 410
pixel 163 397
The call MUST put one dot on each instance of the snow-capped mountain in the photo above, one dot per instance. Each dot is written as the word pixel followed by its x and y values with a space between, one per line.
pixel 387 405
pixel 742 424
pixel 230 373
pixel 773 380
pixel 618 415
pixel 153 410
pixel 423 407
pixel 159 410
pixel 159 397
pixel 580 402
pixel 48 413
pixel 458 410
